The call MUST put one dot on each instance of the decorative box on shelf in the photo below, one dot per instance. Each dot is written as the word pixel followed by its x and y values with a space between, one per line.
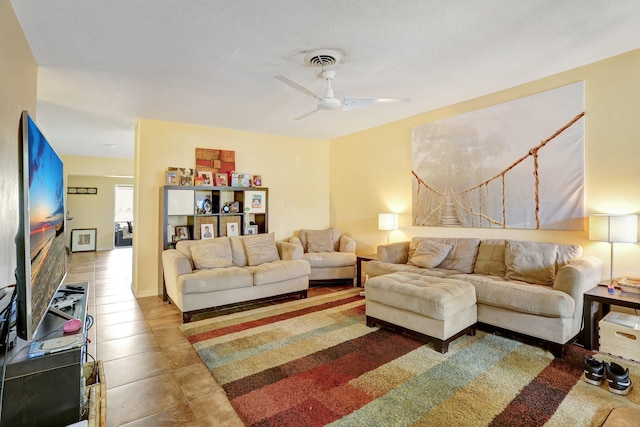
pixel 620 335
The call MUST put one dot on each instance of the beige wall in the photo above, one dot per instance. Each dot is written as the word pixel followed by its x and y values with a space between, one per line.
pixel 295 170
pixel 18 84
pixel 94 211
pixel 380 181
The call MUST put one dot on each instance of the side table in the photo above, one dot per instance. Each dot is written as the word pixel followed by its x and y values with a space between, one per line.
pixel 360 259
pixel 601 295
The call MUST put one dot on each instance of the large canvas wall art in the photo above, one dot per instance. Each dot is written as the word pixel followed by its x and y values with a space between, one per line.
pixel 519 164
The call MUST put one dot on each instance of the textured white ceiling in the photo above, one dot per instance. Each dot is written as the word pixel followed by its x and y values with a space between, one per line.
pixel 106 63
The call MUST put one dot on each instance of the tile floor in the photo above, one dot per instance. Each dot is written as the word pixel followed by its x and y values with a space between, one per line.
pixel 153 375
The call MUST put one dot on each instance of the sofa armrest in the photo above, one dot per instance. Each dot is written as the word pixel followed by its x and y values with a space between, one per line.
pixel 174 265
pixel 296 241
pixel 396 253
pixel 347 244
pixel 575 279
pixel 289 251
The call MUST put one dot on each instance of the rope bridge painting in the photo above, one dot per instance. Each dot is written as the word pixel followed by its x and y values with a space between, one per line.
pixel 519 164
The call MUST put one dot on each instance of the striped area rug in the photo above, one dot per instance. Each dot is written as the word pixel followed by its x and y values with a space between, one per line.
pixel 314 362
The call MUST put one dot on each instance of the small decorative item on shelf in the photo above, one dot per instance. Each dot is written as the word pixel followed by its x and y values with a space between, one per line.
pixel 198 180
pixel 235 207
pixel 222 180
pixel 252 229
pixel 206 176
pixel 244 179
pixel 186 176
pixel 232 229
pixel 182 232
pixel 255 201
pixel 206 231
pixel 235 179
pixel 226 208
pixel 256 181
pixel 172 177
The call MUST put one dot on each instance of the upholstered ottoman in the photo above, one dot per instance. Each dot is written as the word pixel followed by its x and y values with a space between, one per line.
pixel 438 309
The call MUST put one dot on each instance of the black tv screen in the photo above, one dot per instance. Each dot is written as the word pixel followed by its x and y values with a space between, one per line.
pixel 40 242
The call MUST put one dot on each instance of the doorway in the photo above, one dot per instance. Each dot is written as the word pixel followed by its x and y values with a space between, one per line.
pixel 123 215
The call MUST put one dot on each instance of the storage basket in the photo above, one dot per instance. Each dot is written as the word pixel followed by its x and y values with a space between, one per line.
pixel 620 335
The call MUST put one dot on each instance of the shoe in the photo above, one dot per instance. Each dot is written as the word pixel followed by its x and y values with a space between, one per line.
pixel 618 379
pixel 593 370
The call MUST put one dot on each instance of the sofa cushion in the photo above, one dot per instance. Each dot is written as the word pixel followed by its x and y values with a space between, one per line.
pixel 462 257
pixel 260 248
pixel 378 268
pixel 491 258
pixel 531 262
pixel 330 259
pixel 520 296
pixel 567 254
pixel 279 271
pixel 216 253
pixel 429 254
pixel 335 238
pixel 320 241
pixel 217 279
pixel 238 253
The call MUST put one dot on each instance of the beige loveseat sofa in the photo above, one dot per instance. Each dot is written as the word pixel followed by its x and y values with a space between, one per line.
pixel 332 255
pixel 526 288
pixel 203 274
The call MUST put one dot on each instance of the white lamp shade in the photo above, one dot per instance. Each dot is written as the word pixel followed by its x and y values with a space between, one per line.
pixel 387 221
pixel 613 228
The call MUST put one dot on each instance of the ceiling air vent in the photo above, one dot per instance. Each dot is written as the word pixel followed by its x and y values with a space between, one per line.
pixel 322 58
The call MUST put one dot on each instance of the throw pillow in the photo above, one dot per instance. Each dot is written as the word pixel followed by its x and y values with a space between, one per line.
pixel 261 248
pixel 430 254
pixel 531 262
pixel 491 258
pixel 214 254
pixel 320 241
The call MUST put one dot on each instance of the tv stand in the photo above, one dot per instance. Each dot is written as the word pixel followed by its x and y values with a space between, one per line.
pixel 47 390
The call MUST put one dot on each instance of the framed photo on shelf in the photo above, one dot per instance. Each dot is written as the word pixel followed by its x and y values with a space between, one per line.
pixel 83 239
pixel 172 178
pixel 205 177
pixel 252 229
pixel 256 181
pixel 255 201
pixel 222 180
pixel 207 231
pixel 232 229
pixel 182 232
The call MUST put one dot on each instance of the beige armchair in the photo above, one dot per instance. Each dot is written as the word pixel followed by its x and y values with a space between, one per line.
pixel 332 255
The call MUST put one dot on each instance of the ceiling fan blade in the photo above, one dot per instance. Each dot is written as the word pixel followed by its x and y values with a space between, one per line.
pixel 355 103
pixel 306 114
pixel 296 86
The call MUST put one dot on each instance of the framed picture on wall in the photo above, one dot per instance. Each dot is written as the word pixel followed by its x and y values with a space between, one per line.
pixel 83 239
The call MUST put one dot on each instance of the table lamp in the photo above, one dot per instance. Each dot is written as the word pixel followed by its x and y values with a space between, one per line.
pixel 388 222
pixel 613 229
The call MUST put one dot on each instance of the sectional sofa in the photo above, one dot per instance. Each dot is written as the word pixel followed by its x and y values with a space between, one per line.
pixel 532 289
pixel 200 275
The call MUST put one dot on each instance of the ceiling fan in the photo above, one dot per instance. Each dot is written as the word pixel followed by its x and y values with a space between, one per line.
pixel 330 102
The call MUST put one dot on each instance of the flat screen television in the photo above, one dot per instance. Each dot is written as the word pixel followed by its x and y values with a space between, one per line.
pixel 40 241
